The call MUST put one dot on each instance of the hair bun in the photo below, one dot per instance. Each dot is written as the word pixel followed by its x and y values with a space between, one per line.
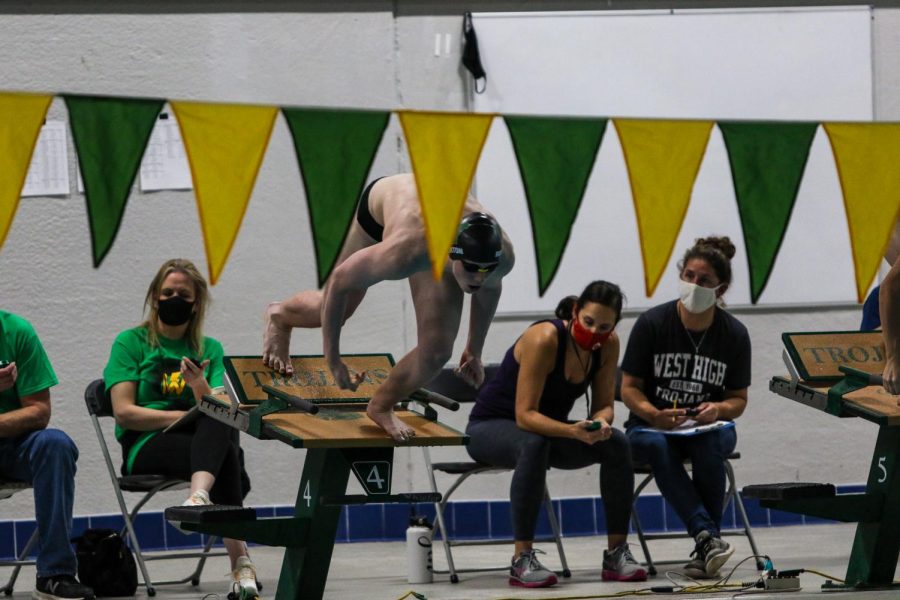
pixel 566 307
pixel 721 243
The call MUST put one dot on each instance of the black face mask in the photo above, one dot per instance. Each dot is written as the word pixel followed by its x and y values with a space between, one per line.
pixel 175 311
pixel 471 58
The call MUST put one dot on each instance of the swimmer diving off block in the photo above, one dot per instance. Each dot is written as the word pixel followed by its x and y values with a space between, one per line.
pixel 386 241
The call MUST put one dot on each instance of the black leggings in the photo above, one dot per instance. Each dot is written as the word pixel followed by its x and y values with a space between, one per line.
pixel 211 446
pixel 500 442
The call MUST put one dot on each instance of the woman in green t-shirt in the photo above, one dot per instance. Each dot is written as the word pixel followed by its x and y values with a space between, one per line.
pixel 155 374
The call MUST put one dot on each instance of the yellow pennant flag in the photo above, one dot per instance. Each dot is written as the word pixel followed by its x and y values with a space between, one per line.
pixel 225 144
pixel 663 158
pixel 21 118
pixel 867 155
pixel 444 150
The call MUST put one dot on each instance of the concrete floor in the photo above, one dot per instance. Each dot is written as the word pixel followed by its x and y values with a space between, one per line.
pixel 377 571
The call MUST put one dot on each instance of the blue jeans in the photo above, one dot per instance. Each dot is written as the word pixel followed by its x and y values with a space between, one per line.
pixel 698 501
pixel 46 459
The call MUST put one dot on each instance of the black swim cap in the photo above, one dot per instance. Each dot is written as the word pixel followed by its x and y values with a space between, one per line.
pixel 478 239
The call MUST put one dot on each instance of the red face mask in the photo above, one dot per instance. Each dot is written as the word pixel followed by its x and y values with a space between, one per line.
pixel 584 338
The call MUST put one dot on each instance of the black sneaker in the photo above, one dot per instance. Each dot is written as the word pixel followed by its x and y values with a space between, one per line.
pixel 713 552
pixel 61 587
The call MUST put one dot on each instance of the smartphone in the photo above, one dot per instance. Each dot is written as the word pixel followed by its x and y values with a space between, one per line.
pixel 197 363
pixel 691 412
pixel 4 364
pixel 594 426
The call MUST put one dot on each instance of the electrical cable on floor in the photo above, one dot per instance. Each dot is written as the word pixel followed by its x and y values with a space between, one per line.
pixel 822 575
pixel 745 588
pixel 698 587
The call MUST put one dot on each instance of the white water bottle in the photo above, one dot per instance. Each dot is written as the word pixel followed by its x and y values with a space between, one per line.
pixel 418 551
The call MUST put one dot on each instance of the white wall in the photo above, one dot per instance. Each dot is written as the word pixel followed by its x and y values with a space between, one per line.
pixel 369 58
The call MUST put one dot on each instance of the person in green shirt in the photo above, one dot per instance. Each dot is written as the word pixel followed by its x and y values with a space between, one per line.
pixel 156 372
pixel 44 457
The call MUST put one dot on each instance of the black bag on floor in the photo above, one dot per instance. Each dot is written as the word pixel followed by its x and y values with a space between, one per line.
pixel 105 563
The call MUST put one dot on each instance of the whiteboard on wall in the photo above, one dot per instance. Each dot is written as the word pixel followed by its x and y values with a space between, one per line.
pixel 784 64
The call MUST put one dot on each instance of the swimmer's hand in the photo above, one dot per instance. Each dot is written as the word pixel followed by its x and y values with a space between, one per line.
pixel 470 369
pixel 345 378
pixel 891 376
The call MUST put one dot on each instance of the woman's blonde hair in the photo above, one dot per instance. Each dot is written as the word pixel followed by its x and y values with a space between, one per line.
pixel 194 331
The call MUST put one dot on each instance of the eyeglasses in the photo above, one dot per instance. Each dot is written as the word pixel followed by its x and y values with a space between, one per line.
pixel 477 267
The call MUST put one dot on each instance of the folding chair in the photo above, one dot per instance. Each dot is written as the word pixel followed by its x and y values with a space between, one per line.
pixel 99 405
pixel 731 494
pixel 7 489
pixel 451 386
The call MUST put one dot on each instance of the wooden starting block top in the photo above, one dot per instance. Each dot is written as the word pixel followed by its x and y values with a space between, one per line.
pixel 341 420
pixel 875 401
pixel 339 426
pixel 815 361
pixel 817 357
pixel 872 401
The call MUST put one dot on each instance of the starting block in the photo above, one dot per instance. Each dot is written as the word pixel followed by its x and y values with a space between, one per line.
pixel 307 410
pixel 840 373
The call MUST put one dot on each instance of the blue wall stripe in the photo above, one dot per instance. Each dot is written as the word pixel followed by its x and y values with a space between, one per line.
pixel 387 522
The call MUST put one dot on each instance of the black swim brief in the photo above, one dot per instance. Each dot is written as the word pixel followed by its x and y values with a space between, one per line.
pixel 364 216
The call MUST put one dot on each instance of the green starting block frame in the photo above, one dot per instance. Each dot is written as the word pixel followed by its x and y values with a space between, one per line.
pixel 876 546
pixel 308 536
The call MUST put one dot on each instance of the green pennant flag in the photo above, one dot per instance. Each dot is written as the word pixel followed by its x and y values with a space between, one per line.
pixel 335 150
pixel 110 136
pixel 767 162
pixel 555 156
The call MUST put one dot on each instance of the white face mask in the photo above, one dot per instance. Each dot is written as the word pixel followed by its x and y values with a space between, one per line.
pixel 696 298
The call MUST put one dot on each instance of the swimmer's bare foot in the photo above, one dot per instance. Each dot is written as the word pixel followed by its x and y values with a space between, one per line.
pixel 276 341
pixel 387 420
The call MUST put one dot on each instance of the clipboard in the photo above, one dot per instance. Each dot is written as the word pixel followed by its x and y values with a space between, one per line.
pixel 691 427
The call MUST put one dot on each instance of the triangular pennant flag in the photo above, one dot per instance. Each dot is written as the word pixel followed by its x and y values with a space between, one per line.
pixel 335 149
pixel 444 150
pixel 110 136
pixel 663 158
pixel 866 157
pixel 225 144
pixel 21 119
pixel 555 157
pixel 767 163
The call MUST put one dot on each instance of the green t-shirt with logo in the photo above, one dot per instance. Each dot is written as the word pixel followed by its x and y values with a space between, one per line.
pixel 20 344
pixel 157 372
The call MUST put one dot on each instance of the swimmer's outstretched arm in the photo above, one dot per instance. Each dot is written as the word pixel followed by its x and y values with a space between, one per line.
pixel 888 306
pixel 363 269
pixel 484 305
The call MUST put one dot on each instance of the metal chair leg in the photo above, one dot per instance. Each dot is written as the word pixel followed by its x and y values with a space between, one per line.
pixel 636 522
pixel 739 506
pixel 195 576
pixel 557 535
pixel 440 525
pixel 21 560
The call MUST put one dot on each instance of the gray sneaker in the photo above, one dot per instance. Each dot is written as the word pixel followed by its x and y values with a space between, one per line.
pixel 619 565
pixel 713 552
pixel 695 569
pixel 527 571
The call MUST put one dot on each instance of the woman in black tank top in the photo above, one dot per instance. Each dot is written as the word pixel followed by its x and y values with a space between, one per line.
pixel 521 421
